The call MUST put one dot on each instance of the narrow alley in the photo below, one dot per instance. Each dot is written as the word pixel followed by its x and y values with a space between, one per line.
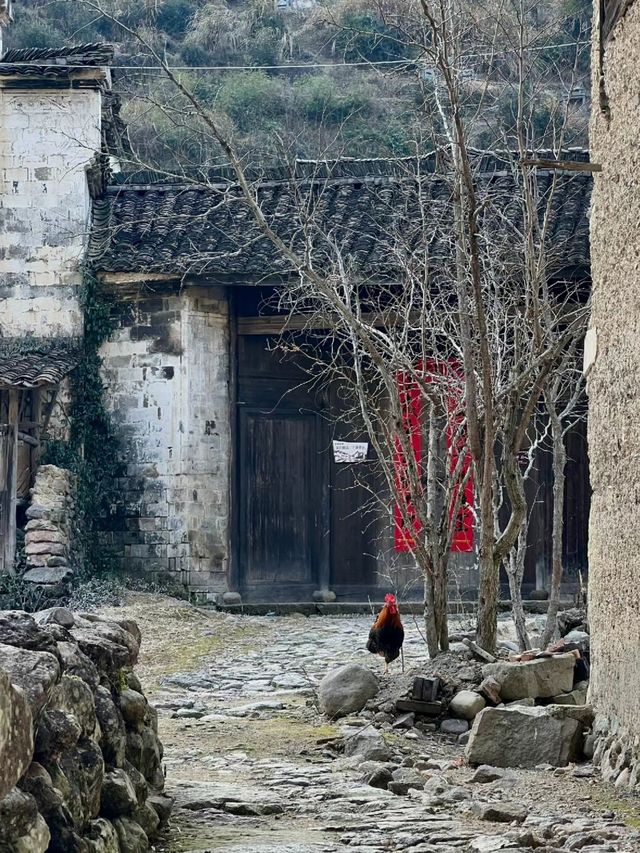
pixel 253 766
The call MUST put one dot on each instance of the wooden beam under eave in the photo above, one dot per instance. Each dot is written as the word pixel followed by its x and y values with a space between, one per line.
pixel 277 324
pixel 563 165
pixel 123 278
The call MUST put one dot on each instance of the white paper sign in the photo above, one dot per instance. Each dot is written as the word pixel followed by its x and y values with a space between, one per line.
pixel 350 451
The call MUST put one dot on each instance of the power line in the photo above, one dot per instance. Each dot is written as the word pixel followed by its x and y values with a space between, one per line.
pixel 311 65
pixel 263 67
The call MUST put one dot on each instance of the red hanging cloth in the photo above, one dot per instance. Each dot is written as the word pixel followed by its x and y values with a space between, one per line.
pixel 411 407
pixel 462 539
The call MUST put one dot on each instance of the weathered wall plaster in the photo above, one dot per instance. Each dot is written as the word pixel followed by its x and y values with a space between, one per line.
pixel 47 138
pixel 614 401
pixel 166 369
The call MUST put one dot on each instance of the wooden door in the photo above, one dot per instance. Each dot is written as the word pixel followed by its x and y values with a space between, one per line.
pixel 280 501
pixel 356 535
pixel 9 402
pixel 300 523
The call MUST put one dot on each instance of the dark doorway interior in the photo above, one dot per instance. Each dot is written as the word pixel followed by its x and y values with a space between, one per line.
pixel 304 522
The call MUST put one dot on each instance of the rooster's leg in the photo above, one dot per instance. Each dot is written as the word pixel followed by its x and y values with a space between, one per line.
pixel 386 668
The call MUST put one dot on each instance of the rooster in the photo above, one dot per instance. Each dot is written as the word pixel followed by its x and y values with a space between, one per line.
pixel 387 634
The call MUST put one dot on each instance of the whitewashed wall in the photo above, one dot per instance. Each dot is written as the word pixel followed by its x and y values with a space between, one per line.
pixel 166 369
pixel 47 138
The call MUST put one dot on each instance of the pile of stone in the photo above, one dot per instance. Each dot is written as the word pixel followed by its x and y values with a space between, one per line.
pixel 49 531
pixel 538 713
pixel 522 710
pixel 80 758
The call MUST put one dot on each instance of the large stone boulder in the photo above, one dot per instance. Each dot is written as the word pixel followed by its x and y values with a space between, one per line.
pixel 56 733
pixel 520 736
pixel 113 734
pixel 538 678
pixel 34 672
pixel 133 706
pixel 22 828
pixel 55 616
pixel 84 768
pixel 101 837
pixel 75 662
pixel 467 704
pixel 131 836
pixel 75 697
pixel 347 690
pixel 119 796
pixel 71 712
pixel 18 628
pixel 37 782
pixel 569 620
pixel 127 638
pixel 16 734
pixel 36 839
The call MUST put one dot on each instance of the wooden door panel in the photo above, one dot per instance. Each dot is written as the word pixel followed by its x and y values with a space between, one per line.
pixel 354 527
pixel 280 498
pixel 356 524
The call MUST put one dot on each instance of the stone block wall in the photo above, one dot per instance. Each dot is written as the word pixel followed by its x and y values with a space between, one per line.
pixel 613 363
pixel 47 138
pixel 80 758
pixel 50 543
pixel 166 370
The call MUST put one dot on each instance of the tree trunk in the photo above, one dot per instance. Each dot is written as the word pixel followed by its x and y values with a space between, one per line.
pixel 515 573
pixel 559 464
pixel 489 584
pixel 441 605
pixel 488 596
pixel 430 617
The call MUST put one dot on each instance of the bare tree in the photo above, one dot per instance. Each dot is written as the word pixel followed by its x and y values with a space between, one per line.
pixel 484 307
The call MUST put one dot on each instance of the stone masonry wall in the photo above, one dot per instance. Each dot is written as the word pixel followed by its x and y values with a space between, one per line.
pixel 613 363
pixel 49 533
pixel 80 759
pixel 47 137
pixel 166 369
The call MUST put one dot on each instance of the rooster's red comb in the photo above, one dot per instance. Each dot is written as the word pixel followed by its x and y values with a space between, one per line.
pixel 389 598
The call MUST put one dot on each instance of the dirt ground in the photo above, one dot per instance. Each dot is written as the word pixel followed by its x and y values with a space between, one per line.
pixel 226 728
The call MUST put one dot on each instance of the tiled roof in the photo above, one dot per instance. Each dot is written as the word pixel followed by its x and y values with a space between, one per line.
pixel 80 54
pixel 54 62
pixel 201 224
pixel 35 367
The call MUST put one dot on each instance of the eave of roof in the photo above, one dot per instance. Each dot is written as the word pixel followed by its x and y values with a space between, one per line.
pixel 81 54
pixel 79 62
pixel 349 169
pixel 26 365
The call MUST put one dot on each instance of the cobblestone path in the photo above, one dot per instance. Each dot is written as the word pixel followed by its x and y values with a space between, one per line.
pixel 254 768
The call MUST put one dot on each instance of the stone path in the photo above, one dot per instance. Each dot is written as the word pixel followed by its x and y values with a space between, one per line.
pixel 254 767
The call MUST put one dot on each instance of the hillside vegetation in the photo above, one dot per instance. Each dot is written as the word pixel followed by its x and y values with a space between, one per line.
pixel 327 110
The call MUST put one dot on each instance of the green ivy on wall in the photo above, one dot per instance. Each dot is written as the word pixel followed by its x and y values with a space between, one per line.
pixel 92 451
